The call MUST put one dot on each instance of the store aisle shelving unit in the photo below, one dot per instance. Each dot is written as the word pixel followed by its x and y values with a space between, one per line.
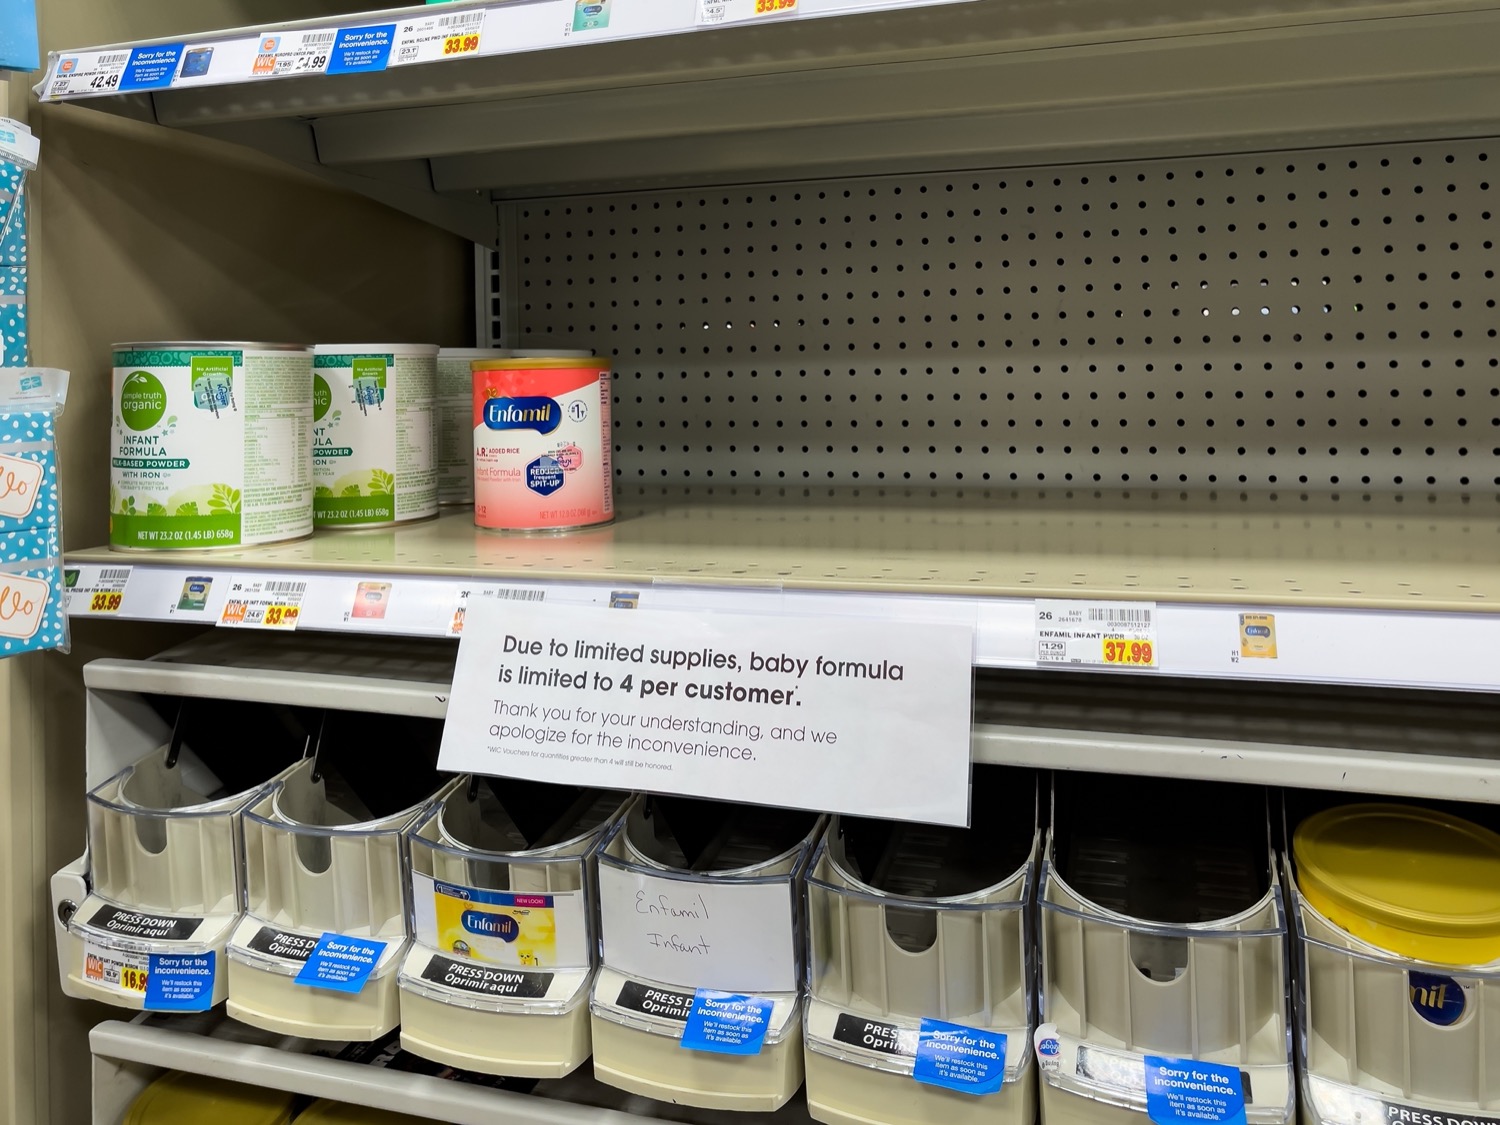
pixel 1431 745
pixel 928 313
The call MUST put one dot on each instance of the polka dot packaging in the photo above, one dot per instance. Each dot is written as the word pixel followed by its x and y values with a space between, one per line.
pixel 33 612
pixel 31 592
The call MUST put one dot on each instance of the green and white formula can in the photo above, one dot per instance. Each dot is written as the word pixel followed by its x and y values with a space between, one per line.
pixel 455 396
pixel 211 445
pixel 375 438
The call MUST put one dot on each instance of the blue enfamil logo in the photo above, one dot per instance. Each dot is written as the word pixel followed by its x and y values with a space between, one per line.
pixel 529 413
pixel 1437 999
pixel 502 926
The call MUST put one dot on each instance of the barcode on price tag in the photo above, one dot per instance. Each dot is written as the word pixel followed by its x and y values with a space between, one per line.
pixel 737 11
pixel 262 603
pixel 424 39
pixel 95 589
pixel 1097 634
pixel 499 593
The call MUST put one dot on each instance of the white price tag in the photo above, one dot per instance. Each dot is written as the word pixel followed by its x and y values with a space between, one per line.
pixel 284 53
pixel 262 603
pixel 115 969
pixel 1098 634
pixel 736 937
pixel 496 593
pixel 738 11
pixel 426 39
pixel 823 713
pixel 95 590
pixel 87 72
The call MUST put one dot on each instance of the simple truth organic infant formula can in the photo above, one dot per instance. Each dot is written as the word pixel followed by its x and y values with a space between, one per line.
pixel 542 444
pixel 210 445
pixel 455 400
pixel 374 434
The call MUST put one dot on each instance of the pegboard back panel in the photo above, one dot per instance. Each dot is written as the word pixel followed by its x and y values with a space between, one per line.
pixel 1324 319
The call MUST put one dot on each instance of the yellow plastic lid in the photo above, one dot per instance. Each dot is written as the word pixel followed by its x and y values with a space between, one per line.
pixel 192 1099
pixel 338 1113
pixel 1417 882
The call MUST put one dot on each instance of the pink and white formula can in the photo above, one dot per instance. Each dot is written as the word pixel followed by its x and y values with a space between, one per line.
pixel 542 443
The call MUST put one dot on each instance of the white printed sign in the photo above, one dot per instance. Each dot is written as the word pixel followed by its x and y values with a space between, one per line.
pixel 424 39
pixel 734 937
pixel 1098 634
pixel 830 714
pixel 20 482
pixel 88 72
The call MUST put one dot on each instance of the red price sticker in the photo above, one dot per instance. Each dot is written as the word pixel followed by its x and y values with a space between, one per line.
pixel 1119 652
pixel 467 44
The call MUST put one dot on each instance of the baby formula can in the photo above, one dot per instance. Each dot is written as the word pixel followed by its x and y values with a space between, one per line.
pixel 542 443
pixel 210 445
pixel 455 392
pixel 374 434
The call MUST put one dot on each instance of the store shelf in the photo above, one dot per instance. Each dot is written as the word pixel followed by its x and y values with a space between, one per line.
pixel 1427 745
pixel 237 1056
pixel 128 1055
pixel 400 676
pixel 1365 590
pixel 893 86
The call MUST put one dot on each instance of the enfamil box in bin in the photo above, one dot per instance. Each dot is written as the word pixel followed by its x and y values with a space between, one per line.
pixel 504 944
pixel 1398 919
